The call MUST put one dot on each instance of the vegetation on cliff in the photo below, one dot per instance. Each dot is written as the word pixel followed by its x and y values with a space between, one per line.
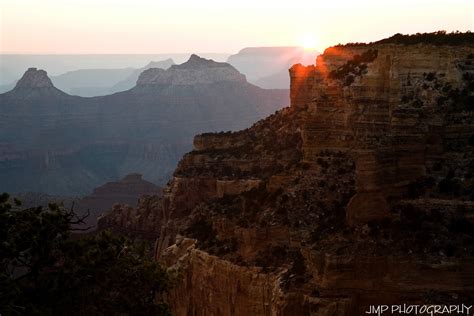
pixel 355 67
pixel 434 38
pixel 45 270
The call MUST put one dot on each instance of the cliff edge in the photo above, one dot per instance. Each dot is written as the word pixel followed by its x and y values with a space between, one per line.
pixel 358 194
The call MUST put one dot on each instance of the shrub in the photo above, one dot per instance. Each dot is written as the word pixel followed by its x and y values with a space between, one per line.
pixel 45 271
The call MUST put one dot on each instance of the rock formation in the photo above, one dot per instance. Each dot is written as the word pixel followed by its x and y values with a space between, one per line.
pixel 35 83
pixel 125 192
pixel 59 144
pixel 34 78
pixel 360 193
pixel 195 71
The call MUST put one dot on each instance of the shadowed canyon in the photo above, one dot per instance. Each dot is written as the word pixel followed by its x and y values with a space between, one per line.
pixel 60 144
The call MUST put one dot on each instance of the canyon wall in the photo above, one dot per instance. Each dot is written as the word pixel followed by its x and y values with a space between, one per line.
pixel 386 107
pixel 359 193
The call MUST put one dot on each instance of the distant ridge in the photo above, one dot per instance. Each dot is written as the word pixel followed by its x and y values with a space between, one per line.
pixel 266 50
pixel 59 144
pixel 196 70
pixel 196 62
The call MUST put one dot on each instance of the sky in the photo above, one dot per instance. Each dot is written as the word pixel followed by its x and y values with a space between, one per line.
pixel 184 26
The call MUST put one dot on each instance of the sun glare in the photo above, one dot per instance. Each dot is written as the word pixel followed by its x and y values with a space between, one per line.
pixel 308 41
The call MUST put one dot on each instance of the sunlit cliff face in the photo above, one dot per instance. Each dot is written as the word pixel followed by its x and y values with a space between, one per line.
pixel 301 76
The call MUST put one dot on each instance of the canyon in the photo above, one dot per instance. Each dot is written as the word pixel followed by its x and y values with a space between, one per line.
pixel 55 143
pixel 360 193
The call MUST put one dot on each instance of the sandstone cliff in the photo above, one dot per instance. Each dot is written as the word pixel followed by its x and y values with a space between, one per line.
pixel 359 193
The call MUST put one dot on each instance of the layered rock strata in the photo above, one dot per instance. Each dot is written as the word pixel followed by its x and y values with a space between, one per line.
pixel 359 194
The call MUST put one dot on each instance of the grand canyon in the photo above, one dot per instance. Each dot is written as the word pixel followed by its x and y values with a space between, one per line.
pixel 358 193
pixel 71 144
pixel 232 159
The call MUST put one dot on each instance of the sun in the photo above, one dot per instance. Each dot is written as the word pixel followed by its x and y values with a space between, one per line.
pixel 308 41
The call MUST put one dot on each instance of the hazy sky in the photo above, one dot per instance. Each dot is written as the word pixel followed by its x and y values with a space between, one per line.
pixel 174 26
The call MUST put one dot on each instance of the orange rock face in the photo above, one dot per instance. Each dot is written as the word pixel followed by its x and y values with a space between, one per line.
pixel 383 106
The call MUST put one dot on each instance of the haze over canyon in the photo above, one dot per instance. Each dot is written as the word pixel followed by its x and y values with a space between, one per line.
pixel 236 158
pixel 250 171
pixel 69 144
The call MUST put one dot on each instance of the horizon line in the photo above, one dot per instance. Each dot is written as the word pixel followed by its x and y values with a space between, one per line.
pixel 149 53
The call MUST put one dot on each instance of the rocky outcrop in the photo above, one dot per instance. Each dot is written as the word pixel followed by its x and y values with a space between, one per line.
pixel 224 288
pixel 136 222
pixel 34 78
pixel 59 144
pixel 361 191
pixel 195 71
pixel 35 83
pixel 128 187
pixel 125 192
